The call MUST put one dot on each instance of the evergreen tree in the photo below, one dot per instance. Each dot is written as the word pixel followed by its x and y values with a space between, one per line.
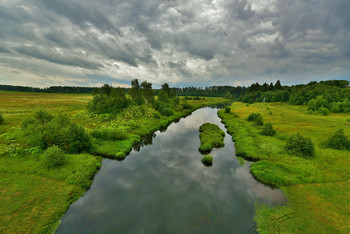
pixel 278 85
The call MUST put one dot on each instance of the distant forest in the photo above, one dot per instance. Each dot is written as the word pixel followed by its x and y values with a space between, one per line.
pixel 324 96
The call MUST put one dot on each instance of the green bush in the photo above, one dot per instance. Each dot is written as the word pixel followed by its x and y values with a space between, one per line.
pixel 257 118
pixel 268 130
pixel 108 134
pixel 77 139
pixel 338 141
pixel 300 146
pixel 53 157
pixel 120 155
pixel 324 111
pixel 156 115
pixel 227 110
pixel 166 112
pixel 186 106
pixel 1 119
pixel 45 130
pixel 207 160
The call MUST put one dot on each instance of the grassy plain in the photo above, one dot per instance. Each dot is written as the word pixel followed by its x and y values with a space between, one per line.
pixel 317 189
pixel 32 197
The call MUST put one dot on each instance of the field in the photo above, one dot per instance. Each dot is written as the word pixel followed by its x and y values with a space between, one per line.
pixel 33 198
pixel 318 189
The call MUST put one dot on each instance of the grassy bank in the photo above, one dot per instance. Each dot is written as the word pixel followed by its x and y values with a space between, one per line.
pixel 211 136
pixel 33 197
pixel 317 188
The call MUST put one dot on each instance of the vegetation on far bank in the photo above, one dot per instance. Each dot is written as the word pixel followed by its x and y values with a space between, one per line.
pixel 298 159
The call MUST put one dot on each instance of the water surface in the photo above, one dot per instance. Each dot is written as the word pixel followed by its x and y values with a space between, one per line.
pixel 164 188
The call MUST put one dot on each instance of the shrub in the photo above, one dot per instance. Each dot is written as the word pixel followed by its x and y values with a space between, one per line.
pixel 186 106
pixel 53 157
pixel 1 119
pixel 268 130
pixel 44 130
pixel 77 139
pixel 324 111
pixel 338 141
pixel 300 146
pixel 156 115
pixel 109 134
pixel 120 155
pixel 166 112
pixel 207 160
pixel 257 118
pixel 227 110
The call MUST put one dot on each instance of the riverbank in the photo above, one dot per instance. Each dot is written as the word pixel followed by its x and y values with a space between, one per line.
pixel 317 189
pixel 33 198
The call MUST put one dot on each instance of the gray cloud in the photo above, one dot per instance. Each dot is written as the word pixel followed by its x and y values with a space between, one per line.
pixel 198 42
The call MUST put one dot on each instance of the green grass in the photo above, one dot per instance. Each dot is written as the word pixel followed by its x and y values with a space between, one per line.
pixel 207 160
pixel 33 197
pixel 211 136
pixel 317 188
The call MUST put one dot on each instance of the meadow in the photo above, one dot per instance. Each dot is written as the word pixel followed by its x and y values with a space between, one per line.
pixel 34 198
pixel 317 188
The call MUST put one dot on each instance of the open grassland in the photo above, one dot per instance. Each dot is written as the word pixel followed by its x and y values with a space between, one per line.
pixel 33 197
pixel 317 189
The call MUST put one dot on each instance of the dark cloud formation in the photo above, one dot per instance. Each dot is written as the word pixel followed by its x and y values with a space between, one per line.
pixel 234 42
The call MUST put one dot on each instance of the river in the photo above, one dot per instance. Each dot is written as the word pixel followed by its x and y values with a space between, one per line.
pixel 163 187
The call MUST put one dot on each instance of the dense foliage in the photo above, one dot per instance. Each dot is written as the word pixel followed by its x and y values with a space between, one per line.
pixel 324 96
pixel 45 130
pixel 108 100
pixel 338 141
pixel 1 119
pixel 300 146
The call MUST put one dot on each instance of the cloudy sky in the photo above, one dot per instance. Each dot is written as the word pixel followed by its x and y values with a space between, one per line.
pixel 182 42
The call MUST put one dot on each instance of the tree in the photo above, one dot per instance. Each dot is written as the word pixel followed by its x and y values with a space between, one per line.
pixel 173 92
pixel 163 96
pixel 278 85
pixel 271 87
pixel 166 88
pixel 106 89
pixel 135 92
pixel 147 92
pixel 265 87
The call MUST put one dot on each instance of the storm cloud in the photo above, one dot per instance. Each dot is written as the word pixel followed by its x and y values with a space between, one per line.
pixel 192 42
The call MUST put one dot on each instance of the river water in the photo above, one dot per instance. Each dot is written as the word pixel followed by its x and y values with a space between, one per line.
pixel 163 187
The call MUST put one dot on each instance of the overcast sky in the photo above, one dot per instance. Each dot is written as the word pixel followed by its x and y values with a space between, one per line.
pixel 190 42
